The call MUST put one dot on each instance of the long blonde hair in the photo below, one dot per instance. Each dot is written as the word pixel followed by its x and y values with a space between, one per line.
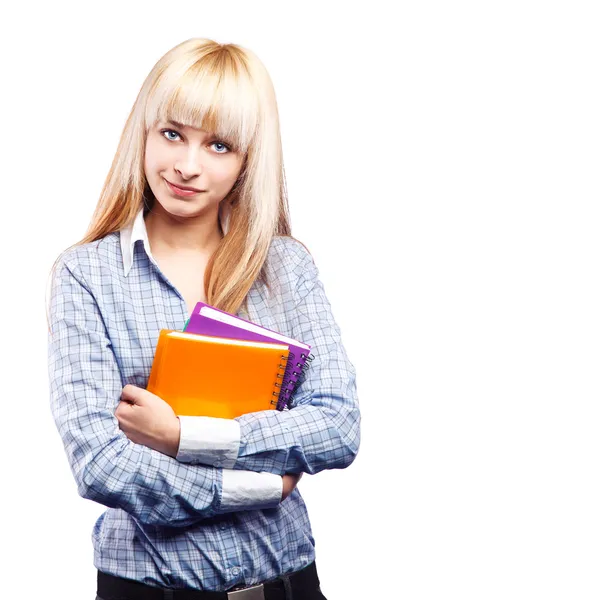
pixel 224 89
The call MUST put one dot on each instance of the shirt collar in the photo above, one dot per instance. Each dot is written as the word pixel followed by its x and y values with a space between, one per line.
pixel 137 231
pixel 129 236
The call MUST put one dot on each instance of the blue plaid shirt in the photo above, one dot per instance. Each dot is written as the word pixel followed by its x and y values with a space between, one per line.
pixel 180 524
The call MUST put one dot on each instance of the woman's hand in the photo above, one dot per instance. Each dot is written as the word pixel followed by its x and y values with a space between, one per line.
pixel 290 480
pixel 147 419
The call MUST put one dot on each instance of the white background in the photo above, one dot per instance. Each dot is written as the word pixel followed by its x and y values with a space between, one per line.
pixel 442 164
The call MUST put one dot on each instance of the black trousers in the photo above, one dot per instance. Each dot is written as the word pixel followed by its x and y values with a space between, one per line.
pixel 300 585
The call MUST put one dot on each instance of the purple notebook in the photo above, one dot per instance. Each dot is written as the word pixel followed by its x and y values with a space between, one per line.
pixel 208 320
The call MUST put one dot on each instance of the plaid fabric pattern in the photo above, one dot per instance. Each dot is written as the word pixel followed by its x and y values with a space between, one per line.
pixel 165 524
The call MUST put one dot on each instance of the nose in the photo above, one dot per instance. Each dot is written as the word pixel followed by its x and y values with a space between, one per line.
pixel 188 164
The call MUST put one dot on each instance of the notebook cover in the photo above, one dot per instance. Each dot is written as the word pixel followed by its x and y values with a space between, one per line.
pixel 203 324
pixel 200 375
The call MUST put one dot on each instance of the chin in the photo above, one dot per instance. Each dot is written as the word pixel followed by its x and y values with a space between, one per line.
pixel 184 207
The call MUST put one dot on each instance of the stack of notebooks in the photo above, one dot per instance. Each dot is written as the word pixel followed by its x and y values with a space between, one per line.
pixel 223 366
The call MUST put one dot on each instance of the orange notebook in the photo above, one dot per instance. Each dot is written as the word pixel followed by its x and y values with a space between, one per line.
pixel 201 375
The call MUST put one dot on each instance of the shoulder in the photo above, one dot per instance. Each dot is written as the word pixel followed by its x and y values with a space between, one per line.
pixel 290 267
pixel 287 254
pixel 92 260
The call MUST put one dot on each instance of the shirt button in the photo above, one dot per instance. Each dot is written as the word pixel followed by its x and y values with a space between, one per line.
pixel 235 571
pixel 223 526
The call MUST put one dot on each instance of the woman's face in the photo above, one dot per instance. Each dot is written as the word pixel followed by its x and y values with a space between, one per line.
pixel 192 158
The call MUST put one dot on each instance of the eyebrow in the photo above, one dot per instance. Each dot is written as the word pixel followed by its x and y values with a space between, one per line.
pixel 182 126
pixel 177 124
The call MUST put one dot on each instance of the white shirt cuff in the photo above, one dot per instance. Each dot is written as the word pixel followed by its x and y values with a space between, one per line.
pixel 245 490
pixel 209 441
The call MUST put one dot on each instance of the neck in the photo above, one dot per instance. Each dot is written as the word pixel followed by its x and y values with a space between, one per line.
pixel 167 233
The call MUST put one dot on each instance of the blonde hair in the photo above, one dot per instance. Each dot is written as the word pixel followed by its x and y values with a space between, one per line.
pixel 224 89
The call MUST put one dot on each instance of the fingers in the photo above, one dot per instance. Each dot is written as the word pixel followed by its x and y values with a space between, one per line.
pixel 132 394
pixel 121 408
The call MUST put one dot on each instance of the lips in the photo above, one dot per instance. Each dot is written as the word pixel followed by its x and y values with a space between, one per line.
pixel 180 191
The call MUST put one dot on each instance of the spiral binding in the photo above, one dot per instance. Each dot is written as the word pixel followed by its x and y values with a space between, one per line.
pixel 292 385
pixel 305 367
pixel 279 375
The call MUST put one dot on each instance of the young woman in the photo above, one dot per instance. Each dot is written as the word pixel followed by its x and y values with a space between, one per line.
pixel 194 208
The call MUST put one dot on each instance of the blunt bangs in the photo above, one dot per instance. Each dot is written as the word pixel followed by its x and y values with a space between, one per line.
pixel 213 93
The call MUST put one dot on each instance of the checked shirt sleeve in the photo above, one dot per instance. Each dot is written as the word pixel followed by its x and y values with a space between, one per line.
pixel 320 431
pixel 85 389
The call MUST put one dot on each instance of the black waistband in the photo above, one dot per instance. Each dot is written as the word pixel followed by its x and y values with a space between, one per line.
pixel 111 587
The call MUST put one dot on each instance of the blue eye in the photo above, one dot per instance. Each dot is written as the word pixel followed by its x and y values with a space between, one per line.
pixel 168 131
pixel 223 145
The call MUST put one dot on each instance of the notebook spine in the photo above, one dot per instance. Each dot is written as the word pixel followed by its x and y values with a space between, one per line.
pixel 161 343
pixel 294 376
pixel 281 368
